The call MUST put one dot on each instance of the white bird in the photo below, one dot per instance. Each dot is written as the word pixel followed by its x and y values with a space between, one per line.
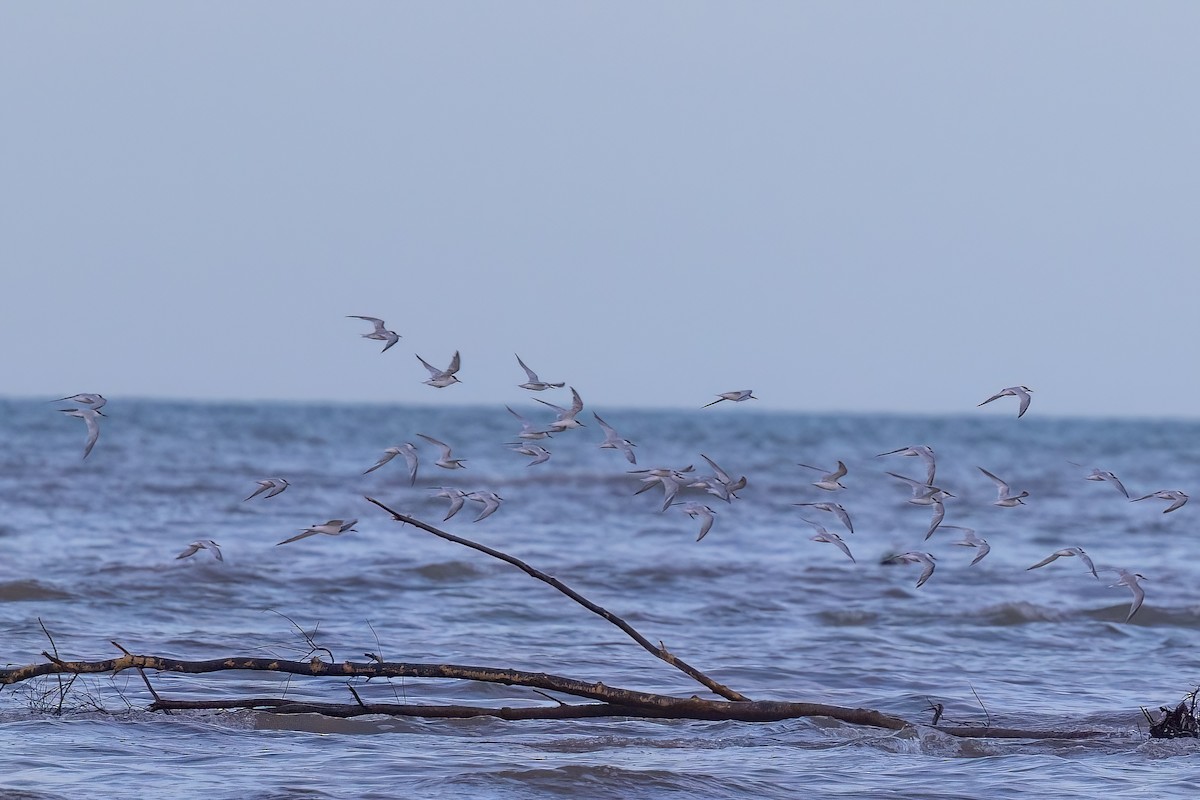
pixel 613 440
pixel 441 378
pixel 272 486
pixel 922 451
pixel 823 535
pixel 534 383
pixel 672 480
pixel 93 401
pixel 334 527
pixel 925 559
pixel 1177 497
pixel 91 418
pixel 566 416
pixel 409 451
pixel 456 497
pixel 829 481
pixel 720 483
pixel 703 513
pixel 969 539
pixel 536 452
pixel 1004 494
pixel 1068 551
pixel 1012 391
pixel 837 509
pixel 491 501
pixel 446 462
pixel 528 430
pixel 380 334
pixel 1130 579
pixel 922 493
pixel 1103 475
pixel 736 397
pixel 206 544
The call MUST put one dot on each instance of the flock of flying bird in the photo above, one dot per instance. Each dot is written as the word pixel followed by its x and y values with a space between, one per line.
pixel 672 481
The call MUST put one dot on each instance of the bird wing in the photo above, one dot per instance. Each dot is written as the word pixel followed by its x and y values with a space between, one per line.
pixel 455 363
pixel 433 371
pixel 1046 560
pixel 388 455
pixel 533 378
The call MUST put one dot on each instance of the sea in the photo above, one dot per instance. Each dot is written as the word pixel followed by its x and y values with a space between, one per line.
pixel 88 565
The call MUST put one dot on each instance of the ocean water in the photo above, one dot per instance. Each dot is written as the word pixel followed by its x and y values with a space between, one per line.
pixel 87 550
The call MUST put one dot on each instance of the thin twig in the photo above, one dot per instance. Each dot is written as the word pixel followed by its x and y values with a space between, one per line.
pixel 659 652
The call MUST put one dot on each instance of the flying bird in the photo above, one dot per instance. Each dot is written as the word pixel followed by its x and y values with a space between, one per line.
pixel 1176 497
pixel 827 537
pixel 91 417
pixel 1013 391
pixel 334 527
pixel 969 539
pixel 536 452
pixel 441 378
pixel 837 509
pixel 206 544
pixel 736 397
pixel 1004 494
pixel 1103 475
pixel 380 334
pixel 1130 579
pixel 409 451
pixel 613 440
pixel 830 481
pixel 566 416
pixel 456 497
pixel 446 462
pixel 272 486
pixel 533 382
pixel 528 429
pixel 1068 551
pixel 703 513
pixel 93 401
pixel 925 559
pixel 491 501
pixel 922 451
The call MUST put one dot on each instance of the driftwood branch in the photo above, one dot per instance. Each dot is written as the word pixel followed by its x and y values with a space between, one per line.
pixel 660 651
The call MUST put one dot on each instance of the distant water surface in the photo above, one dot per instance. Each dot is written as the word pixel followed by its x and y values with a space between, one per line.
pixel 88 548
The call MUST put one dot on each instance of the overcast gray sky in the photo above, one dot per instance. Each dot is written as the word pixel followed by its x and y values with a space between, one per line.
pixel 842 205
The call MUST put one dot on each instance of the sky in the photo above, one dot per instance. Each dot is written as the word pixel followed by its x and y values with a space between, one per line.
pixel 844 206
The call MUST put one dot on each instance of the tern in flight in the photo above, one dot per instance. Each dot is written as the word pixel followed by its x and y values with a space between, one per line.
pixel 91 418
pixel 701 512
pixel 1176 497
pixel 1004 494
pixel 736 397
pixel 92 401
pixel 533 382
pixel 441 378
pixel 969 539
pixel 456 497
pixel 925 559
pixel 922 451
pixel 446 462
pixel 536 452
pixel 1131 579
pixel 1013 391
pixel 830 480
pixel 409 451
pixel 837 509
pixel 206 544
pixel 823 535
pixel 613 440
pixel 566 416
pixel 380 334
pixel 1103 475
pixel 272 486
pixel 1068 551
pixel 491 501
pixel 335 527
